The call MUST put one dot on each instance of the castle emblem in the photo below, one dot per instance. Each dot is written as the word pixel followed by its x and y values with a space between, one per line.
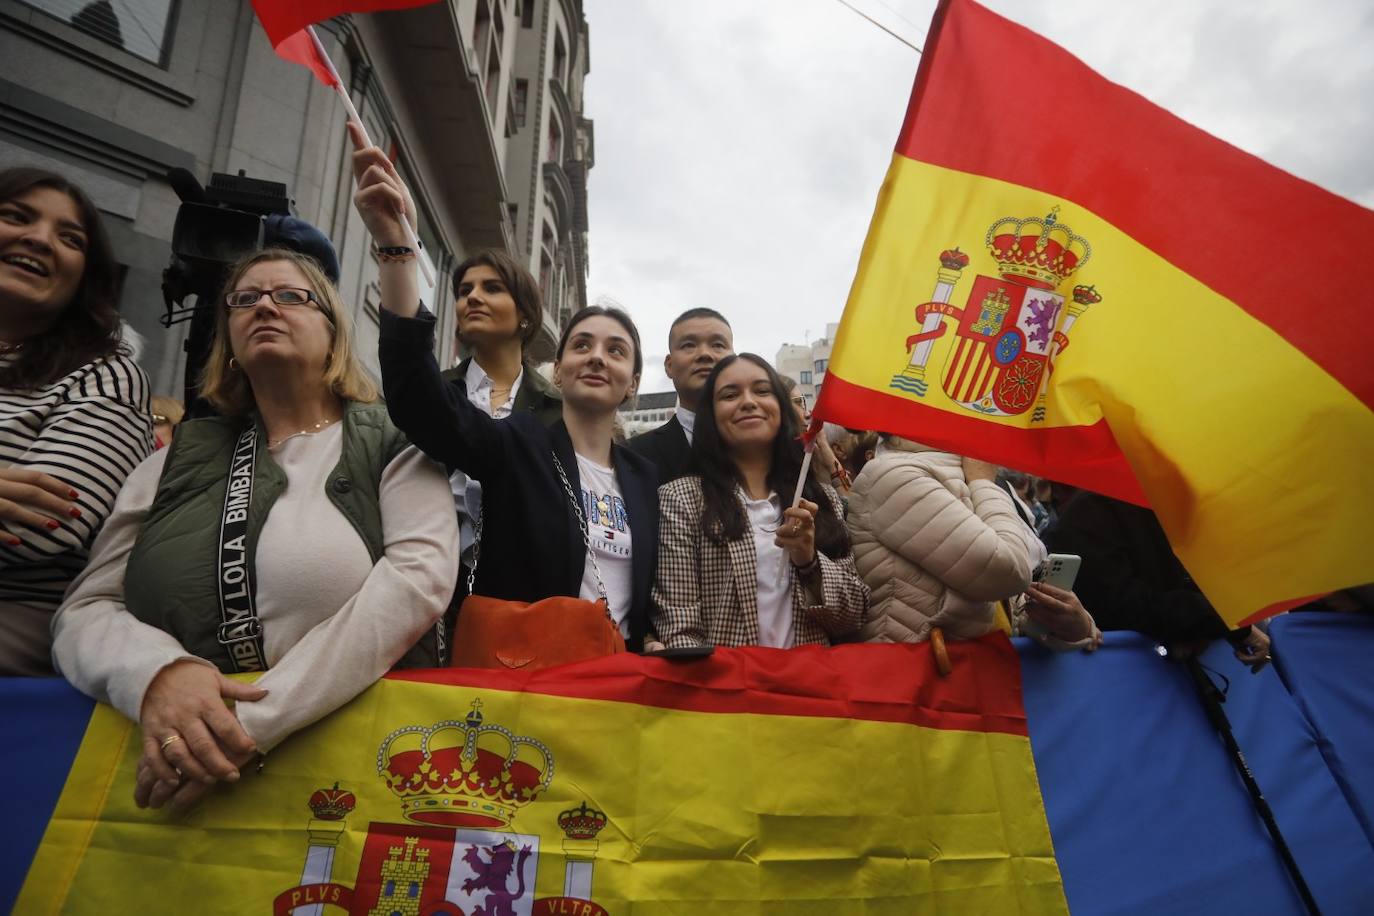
pixel 461 784
pixel 1012 327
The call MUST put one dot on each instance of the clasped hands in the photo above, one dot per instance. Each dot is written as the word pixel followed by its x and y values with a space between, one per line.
pixel 191 739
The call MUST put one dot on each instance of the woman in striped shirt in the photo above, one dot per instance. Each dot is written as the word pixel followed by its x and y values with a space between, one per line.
pixel 74 416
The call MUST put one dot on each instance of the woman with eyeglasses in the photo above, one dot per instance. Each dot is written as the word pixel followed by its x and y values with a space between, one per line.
pixel 295 534
pixel 738 564
pixel 74 417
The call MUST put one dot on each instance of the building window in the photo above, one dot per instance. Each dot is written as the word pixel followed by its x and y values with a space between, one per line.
pixel 498 41
pixel 526 14
pixel 805 377
pixel 481 27
pixel 522 97
pixel 560 58
pixel 138 26
pixel 555 150
pixel 546 267
pixel 821 364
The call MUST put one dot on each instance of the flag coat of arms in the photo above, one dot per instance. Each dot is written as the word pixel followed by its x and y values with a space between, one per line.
pixel 1064 278
pixel 846 780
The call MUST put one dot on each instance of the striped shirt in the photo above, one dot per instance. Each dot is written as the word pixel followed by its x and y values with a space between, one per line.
pixel 88 429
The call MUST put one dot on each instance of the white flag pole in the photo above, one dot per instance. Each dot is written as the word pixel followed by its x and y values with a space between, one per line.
pixel 805 469
pixel 411 238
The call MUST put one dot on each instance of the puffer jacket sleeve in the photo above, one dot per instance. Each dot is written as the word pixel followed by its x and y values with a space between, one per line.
pixel 844 596
pixel 981 553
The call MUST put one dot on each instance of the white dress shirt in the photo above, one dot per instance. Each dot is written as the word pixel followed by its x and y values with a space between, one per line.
pixel 467 494
pixel 687 419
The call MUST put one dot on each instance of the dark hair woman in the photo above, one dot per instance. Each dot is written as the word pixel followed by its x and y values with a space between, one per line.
pixel 539 483
pixel 738 565
pixel 74 414
pixel 498 307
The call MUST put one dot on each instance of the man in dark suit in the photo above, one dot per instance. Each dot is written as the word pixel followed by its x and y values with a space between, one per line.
pixel 697 340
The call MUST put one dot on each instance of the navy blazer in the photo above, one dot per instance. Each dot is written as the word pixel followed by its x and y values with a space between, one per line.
pixel 667 447
pixel 532 545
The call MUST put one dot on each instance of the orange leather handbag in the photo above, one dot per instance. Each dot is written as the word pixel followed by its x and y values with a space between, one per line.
pixel 498 633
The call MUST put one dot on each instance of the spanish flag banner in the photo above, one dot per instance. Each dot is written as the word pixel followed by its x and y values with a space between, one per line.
pixel 1067 279
pixel 851 780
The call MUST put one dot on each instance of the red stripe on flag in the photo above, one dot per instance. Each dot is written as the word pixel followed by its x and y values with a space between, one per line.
pixel 1086 455
pixel 1229 219
pixel 283 18
pixel 301 49
pixel 877 683
pixel 954 362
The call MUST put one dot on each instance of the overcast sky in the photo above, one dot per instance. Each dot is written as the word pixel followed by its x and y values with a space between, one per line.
pixel 740 144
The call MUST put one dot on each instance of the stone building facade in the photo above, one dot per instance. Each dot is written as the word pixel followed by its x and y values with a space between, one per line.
pixel 479 101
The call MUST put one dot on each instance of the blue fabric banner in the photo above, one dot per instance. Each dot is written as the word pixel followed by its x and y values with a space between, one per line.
pixel 1146 809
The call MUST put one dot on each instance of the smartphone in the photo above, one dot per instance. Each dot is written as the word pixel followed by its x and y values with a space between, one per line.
pixel 1059 570
pixel 682 652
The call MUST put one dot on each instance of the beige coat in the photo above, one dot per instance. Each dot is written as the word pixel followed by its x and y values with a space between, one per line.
pixel 934 550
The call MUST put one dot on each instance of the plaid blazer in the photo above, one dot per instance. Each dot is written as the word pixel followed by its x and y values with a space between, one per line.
pixel 707 593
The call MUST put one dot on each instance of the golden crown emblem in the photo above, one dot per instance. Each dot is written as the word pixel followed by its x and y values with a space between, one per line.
pixel 1035 251
pixel 581 823
pixel 463 773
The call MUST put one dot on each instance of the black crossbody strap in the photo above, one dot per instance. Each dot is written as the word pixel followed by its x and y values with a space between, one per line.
pixel 240 630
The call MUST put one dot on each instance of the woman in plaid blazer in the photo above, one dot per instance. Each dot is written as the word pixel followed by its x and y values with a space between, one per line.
pixel 737 565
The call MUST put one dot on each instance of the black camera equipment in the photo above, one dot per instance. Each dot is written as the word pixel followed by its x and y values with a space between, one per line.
pixel 215 226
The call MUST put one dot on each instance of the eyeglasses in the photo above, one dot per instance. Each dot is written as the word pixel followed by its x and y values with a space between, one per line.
pixel 800 401
pixel 248 298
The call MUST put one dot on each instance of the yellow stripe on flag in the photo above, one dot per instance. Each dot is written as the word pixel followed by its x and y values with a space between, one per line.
pixel 704 812
pixel 1202 398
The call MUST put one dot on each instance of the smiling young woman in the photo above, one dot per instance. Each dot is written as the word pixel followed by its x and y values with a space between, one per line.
pixel 498 306
pixel 565 510
pixel 74 414
pixel 738 566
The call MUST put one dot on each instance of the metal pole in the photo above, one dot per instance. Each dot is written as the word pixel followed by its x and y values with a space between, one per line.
pixel 1212 698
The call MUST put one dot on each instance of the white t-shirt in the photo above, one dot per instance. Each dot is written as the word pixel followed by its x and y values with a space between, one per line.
pixel 774 572
pixel 467 494
pixel 608 528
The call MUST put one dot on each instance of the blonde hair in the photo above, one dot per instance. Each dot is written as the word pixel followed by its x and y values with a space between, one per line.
pixel 228 389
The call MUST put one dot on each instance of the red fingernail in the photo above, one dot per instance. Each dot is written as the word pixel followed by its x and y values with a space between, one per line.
pixel 74 512
pixel 13 542
pixel 53 524
pixel 72 494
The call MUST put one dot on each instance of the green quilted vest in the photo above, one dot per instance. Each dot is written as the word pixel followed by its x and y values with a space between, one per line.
pixel 170 582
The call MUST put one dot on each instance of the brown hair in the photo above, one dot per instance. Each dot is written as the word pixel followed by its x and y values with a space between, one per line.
pixel 529 302
pixel 228 388
pixel 87 329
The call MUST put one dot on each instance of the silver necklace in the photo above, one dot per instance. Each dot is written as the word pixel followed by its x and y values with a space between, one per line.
pixel 308 431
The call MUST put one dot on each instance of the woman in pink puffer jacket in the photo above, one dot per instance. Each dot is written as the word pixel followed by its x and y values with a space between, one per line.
pixel 937 542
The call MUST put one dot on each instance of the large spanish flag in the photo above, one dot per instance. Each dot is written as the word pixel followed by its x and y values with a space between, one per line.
pixel 851 780
pixel 1065 278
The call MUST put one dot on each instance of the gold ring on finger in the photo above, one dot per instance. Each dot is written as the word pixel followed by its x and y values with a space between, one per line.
pixel 169 741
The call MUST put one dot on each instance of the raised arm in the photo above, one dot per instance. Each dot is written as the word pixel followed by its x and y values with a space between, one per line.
pixel 433 413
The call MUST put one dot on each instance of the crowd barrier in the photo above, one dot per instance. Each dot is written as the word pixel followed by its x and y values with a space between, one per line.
pixel 1146 810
